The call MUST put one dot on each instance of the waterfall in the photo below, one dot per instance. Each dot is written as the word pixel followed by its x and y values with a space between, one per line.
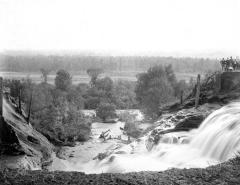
pixel 215 141
pixel 219 135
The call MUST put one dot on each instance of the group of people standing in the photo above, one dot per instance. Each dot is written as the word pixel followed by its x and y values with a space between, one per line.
pixel 230 64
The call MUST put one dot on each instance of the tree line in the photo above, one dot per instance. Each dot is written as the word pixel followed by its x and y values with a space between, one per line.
pixel 77 63
pixel 56 110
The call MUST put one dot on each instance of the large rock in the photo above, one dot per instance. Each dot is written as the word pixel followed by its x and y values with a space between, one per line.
pixel 230 81
pixel 183 120
pixel 18 138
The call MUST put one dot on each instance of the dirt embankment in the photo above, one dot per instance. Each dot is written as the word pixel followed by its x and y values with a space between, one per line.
pixel 225 173
pixel 21 146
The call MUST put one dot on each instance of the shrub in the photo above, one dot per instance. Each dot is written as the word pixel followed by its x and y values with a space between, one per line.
pixel 154 89
pixel 94 73
pixel 106 111
pixel 124 94
pixel 63 80
pixel 132 129
pixel 76 127
pixel 127 116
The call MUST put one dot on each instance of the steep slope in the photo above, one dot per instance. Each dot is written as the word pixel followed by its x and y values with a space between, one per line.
pixel 20 142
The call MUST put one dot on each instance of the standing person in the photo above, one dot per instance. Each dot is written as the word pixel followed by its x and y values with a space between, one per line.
pixel 226 64
pixel 222 62
pixel 231 64
pixel 235 65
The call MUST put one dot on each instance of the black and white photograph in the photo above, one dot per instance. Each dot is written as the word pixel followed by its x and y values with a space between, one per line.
pixel 119 92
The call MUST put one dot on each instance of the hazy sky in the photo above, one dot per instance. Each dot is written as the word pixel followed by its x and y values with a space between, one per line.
pixel 164 27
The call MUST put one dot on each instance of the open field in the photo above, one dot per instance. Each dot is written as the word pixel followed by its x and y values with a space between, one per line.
pixel 82 76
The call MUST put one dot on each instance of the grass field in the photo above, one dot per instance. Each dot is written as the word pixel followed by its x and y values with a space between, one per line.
pixel 82 77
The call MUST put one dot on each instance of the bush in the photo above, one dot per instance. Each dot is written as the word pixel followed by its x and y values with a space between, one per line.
pixel 132 129
pixel 127 116
pixel 63 80
pixel 124 95
pixel 61 120
pixel 154 89
pixel 76 126
pixel 106 111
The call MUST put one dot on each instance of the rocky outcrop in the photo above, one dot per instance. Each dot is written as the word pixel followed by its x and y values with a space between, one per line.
pixel 230 81
pixel 216 91
pixel 20 143
pixel 183 120
pixel 219 88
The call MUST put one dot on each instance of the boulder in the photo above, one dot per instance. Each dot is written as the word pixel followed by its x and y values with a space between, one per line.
pixel 190 122
pixel 230 81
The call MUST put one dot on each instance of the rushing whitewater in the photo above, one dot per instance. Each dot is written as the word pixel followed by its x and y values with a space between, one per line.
pixel 216 140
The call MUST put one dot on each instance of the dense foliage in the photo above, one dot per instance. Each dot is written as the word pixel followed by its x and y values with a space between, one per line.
pixel 63 80
pixel 105 96
pixel 55 110
pixel 20 62
pixel 157 87
pixel 125 97
pixel 120 93
pixel 106 111
pixel 94 73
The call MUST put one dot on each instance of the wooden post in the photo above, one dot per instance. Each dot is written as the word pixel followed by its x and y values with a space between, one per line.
pixel 19 100
pixel 1 109
pixel 181 97
pixel 1 96
pixel 29 107
pixel 197 91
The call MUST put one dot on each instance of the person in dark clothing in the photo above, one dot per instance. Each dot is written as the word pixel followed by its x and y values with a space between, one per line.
pixel 222 62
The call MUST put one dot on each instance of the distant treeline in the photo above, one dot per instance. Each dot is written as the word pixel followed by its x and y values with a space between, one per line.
pixel 33 63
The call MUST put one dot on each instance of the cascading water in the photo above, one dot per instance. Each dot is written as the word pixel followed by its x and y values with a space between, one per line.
pixel 219 135
pixel 215 141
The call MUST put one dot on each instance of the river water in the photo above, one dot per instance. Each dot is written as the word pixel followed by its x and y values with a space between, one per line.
pixel 215 141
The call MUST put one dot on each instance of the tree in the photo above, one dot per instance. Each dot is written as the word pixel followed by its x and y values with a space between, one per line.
pixel 75 97
pixel 45 73
pixel 181 86
pixel 94 73
pixel 153 89
pixel 54 112
pixel 124 95
pixel 102 91
pixel 106 111
pixel 105 89
pixel 63 80
pixel 170 74
pixel 105 84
